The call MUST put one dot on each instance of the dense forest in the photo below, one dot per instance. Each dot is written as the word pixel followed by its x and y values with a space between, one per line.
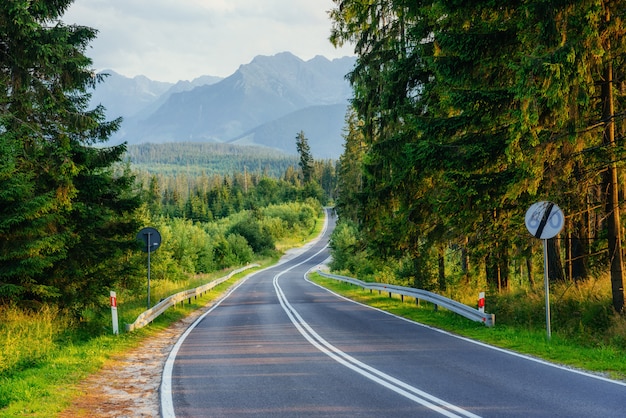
pixel 198 158
pixel 464 115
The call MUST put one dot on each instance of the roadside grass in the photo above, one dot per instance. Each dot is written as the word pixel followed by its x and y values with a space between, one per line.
pixel 45 383
pixel 44 355
pixel 604 359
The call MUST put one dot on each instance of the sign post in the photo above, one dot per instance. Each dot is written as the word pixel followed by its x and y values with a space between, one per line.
pixel 544 220
pixel 151 240
pixel 114 313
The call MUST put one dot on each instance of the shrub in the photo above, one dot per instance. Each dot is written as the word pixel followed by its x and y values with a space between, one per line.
pixel 260 241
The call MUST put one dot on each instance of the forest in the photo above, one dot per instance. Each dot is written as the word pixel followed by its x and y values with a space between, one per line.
pixel 209 158
pixel 464 115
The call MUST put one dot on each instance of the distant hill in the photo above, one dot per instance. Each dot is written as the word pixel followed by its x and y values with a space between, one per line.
pixel 266 102
pixel 194 158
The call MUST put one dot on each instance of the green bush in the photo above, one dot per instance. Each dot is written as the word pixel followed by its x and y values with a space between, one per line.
pixel 261 241
pixel 344 246
pixel 240 249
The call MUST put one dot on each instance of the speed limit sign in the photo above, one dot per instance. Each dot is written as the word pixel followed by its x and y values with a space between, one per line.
pixel 544 220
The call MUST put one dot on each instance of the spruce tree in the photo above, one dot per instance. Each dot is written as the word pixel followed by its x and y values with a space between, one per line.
pixel 306 158
pixel 72 208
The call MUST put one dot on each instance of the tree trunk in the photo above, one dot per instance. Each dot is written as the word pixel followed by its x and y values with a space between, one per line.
pixel 465 261
pixel 611 185
pixel 442 268
pixel 555 266
pixel 529 268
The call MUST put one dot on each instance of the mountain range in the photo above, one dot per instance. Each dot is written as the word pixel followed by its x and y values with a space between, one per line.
pixel 266 102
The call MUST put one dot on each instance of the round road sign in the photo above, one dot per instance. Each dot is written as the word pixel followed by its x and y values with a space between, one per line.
pixel 150 238
pixel 544 220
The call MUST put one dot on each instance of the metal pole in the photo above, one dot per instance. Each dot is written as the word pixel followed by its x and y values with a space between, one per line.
pixel 149 269
pixel 546 286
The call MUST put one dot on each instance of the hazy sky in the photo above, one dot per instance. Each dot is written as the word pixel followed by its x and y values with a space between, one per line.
pixel 171 40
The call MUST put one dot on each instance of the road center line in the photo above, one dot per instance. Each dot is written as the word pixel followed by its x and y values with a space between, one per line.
pixel 398 386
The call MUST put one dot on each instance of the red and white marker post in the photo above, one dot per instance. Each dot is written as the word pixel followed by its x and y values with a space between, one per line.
pixel 481 302
pixel 114 313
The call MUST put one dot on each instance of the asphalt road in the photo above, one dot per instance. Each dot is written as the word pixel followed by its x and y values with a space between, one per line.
pixel 279 346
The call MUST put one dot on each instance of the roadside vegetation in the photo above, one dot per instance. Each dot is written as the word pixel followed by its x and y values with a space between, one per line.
pixel 586 331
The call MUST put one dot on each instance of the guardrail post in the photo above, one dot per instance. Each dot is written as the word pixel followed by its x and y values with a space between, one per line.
pixel 402 298
pixel 436 308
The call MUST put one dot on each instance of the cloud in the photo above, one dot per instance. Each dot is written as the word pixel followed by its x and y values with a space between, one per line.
pixel 183 39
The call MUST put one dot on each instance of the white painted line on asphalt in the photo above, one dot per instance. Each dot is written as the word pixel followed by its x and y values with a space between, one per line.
pixel 479 343
pixel 387 381
pixel 167 402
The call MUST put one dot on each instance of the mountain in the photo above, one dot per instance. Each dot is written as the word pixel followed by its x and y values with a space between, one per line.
pixel 127 97
pixel 266 102
pixel 124 96
pixel 320 125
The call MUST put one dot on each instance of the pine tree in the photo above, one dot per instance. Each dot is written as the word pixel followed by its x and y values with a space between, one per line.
pixel 306 158
pixel 68 194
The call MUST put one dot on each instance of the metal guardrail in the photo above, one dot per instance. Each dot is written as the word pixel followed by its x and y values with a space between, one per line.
pixel 151 314
pixel 419 294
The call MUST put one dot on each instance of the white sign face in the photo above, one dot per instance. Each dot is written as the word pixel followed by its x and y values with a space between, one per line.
pixel 544 220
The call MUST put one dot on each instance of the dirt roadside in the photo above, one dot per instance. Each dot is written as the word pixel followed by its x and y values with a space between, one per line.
pixel 128 385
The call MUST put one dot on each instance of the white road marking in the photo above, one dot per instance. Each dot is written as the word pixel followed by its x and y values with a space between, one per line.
pixel 396 385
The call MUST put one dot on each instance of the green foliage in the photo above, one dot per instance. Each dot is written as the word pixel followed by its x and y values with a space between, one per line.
pixel 190 248
pixel 344 247
pixel 467 113
pixel 251 229
pixel 208 159
pixel 240 248
pixel 27 247
pixel 306 158
pixel 66 218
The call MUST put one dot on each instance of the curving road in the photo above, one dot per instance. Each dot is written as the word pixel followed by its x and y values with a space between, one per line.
pixel 280 346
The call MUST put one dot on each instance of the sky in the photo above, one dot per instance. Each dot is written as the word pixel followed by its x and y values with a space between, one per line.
pixel 171 40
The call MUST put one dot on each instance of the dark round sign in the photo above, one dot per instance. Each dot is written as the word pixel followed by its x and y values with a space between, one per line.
pixel 150 238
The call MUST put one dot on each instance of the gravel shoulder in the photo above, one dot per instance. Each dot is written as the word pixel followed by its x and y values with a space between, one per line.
pixel 128 385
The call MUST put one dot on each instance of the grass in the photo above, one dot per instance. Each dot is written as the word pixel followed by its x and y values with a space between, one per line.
pixel 604 358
